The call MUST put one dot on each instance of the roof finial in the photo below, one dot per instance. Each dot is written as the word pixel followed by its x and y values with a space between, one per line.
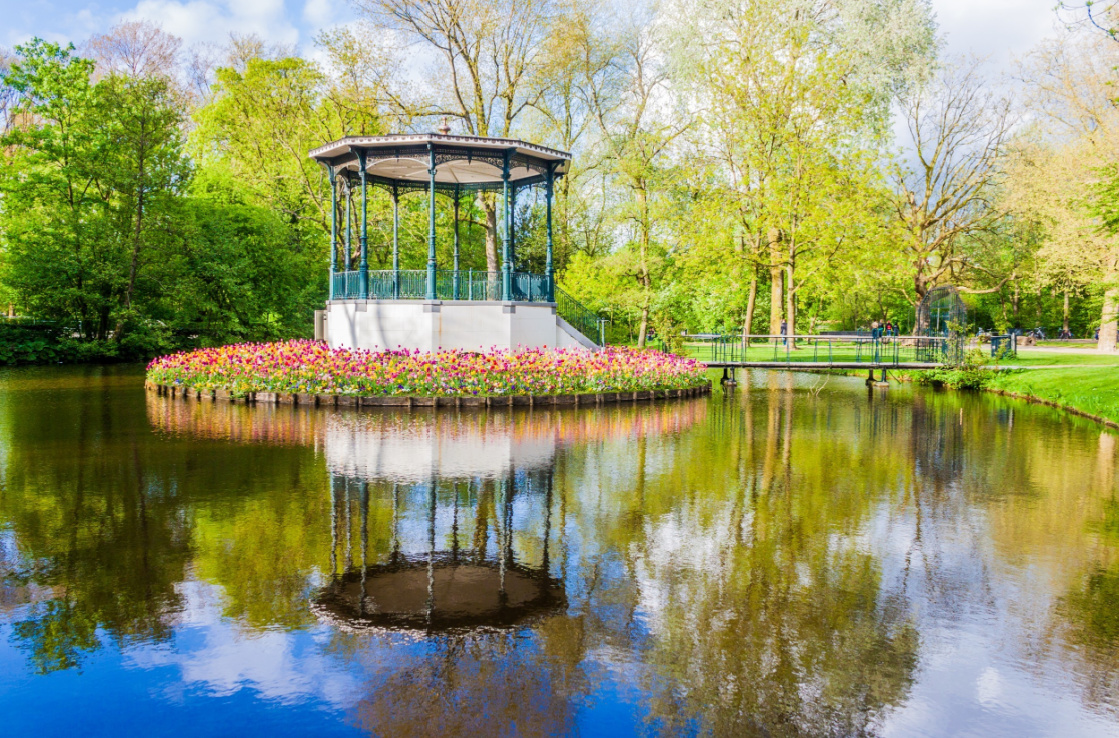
pixel 445 129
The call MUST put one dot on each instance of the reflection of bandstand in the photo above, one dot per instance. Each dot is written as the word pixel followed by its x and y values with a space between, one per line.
pixel 439 569
pixel 449 308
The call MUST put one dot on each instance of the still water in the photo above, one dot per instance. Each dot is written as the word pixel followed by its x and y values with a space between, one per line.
pixel 787 559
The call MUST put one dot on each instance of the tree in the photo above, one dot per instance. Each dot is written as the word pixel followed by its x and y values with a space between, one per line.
pixel 636 131
pixel 1062 172
pixel 491 57
pixel 136 49
pixel 91 182
pixel 959 128
pixel 262 120
pixel 1102 15
pixel 105 233
pixel 795 101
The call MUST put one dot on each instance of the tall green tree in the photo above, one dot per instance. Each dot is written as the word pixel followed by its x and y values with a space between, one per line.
pixel 795 100
pixel 93 178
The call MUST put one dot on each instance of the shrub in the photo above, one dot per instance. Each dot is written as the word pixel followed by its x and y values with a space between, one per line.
pixel 971 373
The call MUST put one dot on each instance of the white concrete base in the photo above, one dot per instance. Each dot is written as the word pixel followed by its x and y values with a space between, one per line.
pixel 429 326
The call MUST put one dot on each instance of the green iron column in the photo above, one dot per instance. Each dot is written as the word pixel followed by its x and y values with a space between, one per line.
pixel 454 288
pixel 395 243
pixel 347 242
pixel 506 246
pixel 333 228
pixel 549 271
pixel 363 267
pixel 431 226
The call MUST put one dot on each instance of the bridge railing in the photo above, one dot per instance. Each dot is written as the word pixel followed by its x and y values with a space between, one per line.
pixel 889 350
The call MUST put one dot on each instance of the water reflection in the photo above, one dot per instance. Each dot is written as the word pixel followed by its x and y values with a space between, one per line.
pixel 458 581
pixel 773 562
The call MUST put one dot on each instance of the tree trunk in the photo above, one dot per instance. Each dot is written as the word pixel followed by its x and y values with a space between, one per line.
pixel 1064 315
pixel 1107 341
pixel 646 280
pixel 490 209
pixel 751 302
pixel 643 330
pixel 646 290
pixel 1015 301
pixel 777 292
pixel 791 305
pixel 133 268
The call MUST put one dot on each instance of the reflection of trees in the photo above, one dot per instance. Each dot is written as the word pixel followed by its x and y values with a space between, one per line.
pixel 739 581
pixel 490 684
pixel 1090 606
pixel 101 513
pixel 93 523
pixel 1024 514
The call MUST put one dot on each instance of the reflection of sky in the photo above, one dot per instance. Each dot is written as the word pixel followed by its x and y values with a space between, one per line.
pixel 983 670
pixel 221 657
pixel 216 677
pixel 212 677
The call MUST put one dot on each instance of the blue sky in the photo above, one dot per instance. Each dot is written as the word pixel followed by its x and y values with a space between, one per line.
pixel 999 29
pixel 280 21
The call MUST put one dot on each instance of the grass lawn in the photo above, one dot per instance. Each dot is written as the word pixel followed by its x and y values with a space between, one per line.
pixel 1090 389
pixel 1060 358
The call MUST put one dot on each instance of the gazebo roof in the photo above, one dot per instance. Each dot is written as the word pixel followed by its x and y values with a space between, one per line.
pixel 462 162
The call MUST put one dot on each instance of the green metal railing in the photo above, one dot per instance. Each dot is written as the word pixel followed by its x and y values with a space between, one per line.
pixel 530 287
pixel 821 349
pixel 467 284
pixel 346 283
pixel 1004 346
pixel 581 318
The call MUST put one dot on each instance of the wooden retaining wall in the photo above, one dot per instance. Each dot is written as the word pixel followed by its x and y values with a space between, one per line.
pixel 330 400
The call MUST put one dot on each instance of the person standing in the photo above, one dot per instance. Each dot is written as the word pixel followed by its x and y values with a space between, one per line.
pixel 784 332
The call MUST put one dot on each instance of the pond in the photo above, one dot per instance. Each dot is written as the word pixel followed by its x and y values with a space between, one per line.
pixel 798 557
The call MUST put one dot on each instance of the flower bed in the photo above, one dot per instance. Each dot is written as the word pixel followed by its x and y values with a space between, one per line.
pixel 310 367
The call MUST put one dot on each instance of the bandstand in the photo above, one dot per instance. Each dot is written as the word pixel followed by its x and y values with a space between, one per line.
pixel 438 307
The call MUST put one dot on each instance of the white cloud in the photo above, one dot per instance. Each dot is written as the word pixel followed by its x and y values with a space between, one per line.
pixel 1001 30
pixel 214 20
pixel 225 657
pixel 319 13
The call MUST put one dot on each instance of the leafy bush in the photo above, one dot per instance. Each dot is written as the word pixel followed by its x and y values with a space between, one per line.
pixel 971 373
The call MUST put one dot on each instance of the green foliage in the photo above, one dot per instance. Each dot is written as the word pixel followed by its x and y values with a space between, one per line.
pixel 972 373
pixel 29 345
pixel 90 192
pixel 110 232
pixel 1106 203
